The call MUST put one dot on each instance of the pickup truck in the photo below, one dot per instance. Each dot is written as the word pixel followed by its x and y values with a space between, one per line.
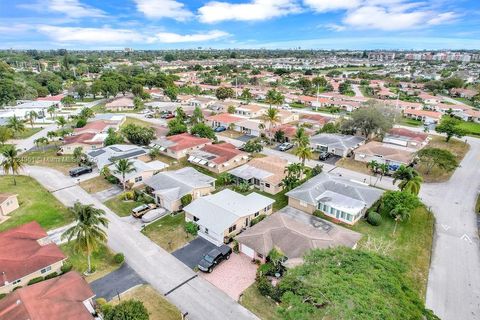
pixel 214 257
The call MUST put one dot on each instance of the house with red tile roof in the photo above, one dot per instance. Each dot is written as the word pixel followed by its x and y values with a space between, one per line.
pixel 26 252
pixel 179 145
pixel 423 115
pixel 223 119
pixel 88 141
pixel 218 158
pixel 289 131
pixel 56 98
pixel 120 104
pixel 64 297
pixel 97 126
pixel 406 138
pixel 315 121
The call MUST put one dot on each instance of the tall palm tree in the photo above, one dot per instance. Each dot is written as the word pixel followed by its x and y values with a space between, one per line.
pixel 301 138
pixel 15 124
pixel 51 135
pixel 123 167
pixel 410 179
pixel 51 110
pixel 399 213
pixel 274 97
pixel 88 231
pixel 304 153
pixel 32 116
pixel 413 185
pixel 373 166
pixel 11 162
pixel 271 117
pixel 61 121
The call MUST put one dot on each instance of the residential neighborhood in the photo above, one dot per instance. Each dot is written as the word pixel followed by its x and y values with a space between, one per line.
pixel 149 171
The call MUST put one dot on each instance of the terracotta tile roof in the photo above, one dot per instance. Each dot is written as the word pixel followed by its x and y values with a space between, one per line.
pixel 6 196
pixel 426 113
pixel 97 126
pixel 184 141
pixel 317 118
pixel 21 254
pixel 58 97
pixel 413 135
pixel 224 118
pixel 82 138
pixel 272 164
pixel 223 151
pixel 59 298
pixel 375 148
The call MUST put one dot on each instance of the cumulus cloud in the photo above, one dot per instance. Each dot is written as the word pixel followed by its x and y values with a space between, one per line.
pixel 91 35
pixel 70 8
pixel 331 5
pixel 157 9
pixel 169 37
pixel 216 11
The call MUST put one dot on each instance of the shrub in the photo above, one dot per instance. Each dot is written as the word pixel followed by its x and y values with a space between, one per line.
pixel 101 301
pixel 257 220
pixel 16 288
pixel 35 280
pixel 119 258
pixel 235 246
pixel 374 218
pixel 186 200
pixel 128 195
pixel 50 276
pixel 81 123
pixel 67 266
pixel 2 295
pixel 112 179
pixel 126 310
pixel 191 227
pixel 266 269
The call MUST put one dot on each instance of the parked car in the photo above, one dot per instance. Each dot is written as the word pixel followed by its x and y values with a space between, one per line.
pixel 220 129
pixel 139 211
pixel 79 171
pixel 324 155
pixel 285 146
pixel 153 215
pixel 214 257
pixel 168 115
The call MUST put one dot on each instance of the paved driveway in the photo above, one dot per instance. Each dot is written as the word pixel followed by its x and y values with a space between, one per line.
pixel 116 282
pixel 233 276
pixel 194 251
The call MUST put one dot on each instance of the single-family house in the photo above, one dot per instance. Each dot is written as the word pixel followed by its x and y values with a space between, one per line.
pixel 120 104
pixel 314 121
pixel 294 233
pixel 64 297
pixel 26 252
pixel 265 174
pixel 339 198
pixel 390 154
pixel 107 155
pixel 86 141
pixel 406 138
pixel 179 145
pixel 251 127
pixel 168 187
pixel 285 116
pixel 249 111
pixel 223 105
pixel 223 120
pixel 111 118
pixel 96 126
pixel 223 215
pixel 8 203
pixel 218 158
pixel 338 144
pixel 141 171
pixel 425 116
pixel 289 131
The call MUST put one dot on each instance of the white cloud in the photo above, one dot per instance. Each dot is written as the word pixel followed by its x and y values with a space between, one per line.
pixel 168 37
pixel 157 9
pixel 216 11
pixel 91 35
pixel 331 5
pixel 443 18
pixel 334 27
pixel 71 8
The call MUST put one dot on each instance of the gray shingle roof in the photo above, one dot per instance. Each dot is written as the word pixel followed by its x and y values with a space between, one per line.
pixel 337 141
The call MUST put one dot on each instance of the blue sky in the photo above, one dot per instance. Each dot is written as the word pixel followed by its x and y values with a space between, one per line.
pixel 309 24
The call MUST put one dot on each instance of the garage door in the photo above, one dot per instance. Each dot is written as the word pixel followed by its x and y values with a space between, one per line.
pixel 247 251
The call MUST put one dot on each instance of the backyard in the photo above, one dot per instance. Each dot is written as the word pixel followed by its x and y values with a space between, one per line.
pixel 168 232
pixel 354 165
pixel 36 204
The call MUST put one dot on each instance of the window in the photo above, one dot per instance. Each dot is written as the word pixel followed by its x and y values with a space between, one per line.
pixel 16 281
pixel 46 269
pixel 349 217
pixel 232 228
pixel 267 185
pixel 206 230
pixel 195 219
pixel 256 214
pixel 343 215
pixel 138 179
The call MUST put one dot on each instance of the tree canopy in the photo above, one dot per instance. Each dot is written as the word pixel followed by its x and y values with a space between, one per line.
pixel 450 126
pixel 436 157
pixel 373 119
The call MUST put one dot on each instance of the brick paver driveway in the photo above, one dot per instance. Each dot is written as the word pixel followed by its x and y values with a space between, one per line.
pixel 234 275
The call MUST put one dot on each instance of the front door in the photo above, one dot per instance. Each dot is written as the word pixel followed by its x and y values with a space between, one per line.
pixel 247 221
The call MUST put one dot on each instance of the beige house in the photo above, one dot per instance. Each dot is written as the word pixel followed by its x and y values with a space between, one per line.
pixel 392 155
pixel 265 174
pixel 223 215
pixel 249 111
pixel 142 171
pixel 218 158
pixel 180 145
pixel 26 252
pixel 8 203
pixel 86 141
pixel 168 187
pixel 120 104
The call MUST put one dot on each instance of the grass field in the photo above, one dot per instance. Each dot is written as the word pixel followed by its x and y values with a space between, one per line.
pixel 36 204
pixel 102 260
pixel 354 165
pixel 158 307
pixel 49 158
pixel 263 307
pixel 168 232
pixel 96 184
pixel 120 207
pixel 28 132
pixel 472 128
pixel 457 147
pixel 409 122
pixel 138 122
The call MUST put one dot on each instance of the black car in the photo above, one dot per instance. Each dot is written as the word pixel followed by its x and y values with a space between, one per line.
pixel 324 155
pixel 214 257
pixel 79 171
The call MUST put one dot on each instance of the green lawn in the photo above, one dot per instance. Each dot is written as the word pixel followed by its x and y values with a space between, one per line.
pixel 96 184
pixel 36 204
pixel 409 122
pixel 102 260
pixel 472 128
pixel 168 232
pixel 297 105
pixel 138 122
pixel 464 100
pixel 262 306
pixel 28 132
pixel 281 200
pixel 121 207
pixel 411 244
pixel 48 158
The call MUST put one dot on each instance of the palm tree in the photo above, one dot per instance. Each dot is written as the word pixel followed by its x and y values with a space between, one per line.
pixel 274 97
pixel 373 166
pixel 304 152
pixel 413 185
pixel 41 141
pixel 123 167
pixel 301 138
pixel 32 116
pixel 51 135
pixel 88 231
pixel 61 121
pixel 410 179
pixel 271 117
pixel 383 169
pixel 15 124
pixel 51 110
pixel 11 162
pixel 399 213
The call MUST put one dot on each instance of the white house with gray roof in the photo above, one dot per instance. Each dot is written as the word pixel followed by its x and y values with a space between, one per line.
pixel 107 155
pixel 342 199
pixel 337 144
pixel 223 215
pixel 168 187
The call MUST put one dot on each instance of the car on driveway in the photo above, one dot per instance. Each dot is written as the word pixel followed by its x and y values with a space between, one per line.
pixel 79 171
pixel 214 257
pixel 285 146
pixel 153 215
pixel 324 155
pixel 139 211
pixel 220 129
